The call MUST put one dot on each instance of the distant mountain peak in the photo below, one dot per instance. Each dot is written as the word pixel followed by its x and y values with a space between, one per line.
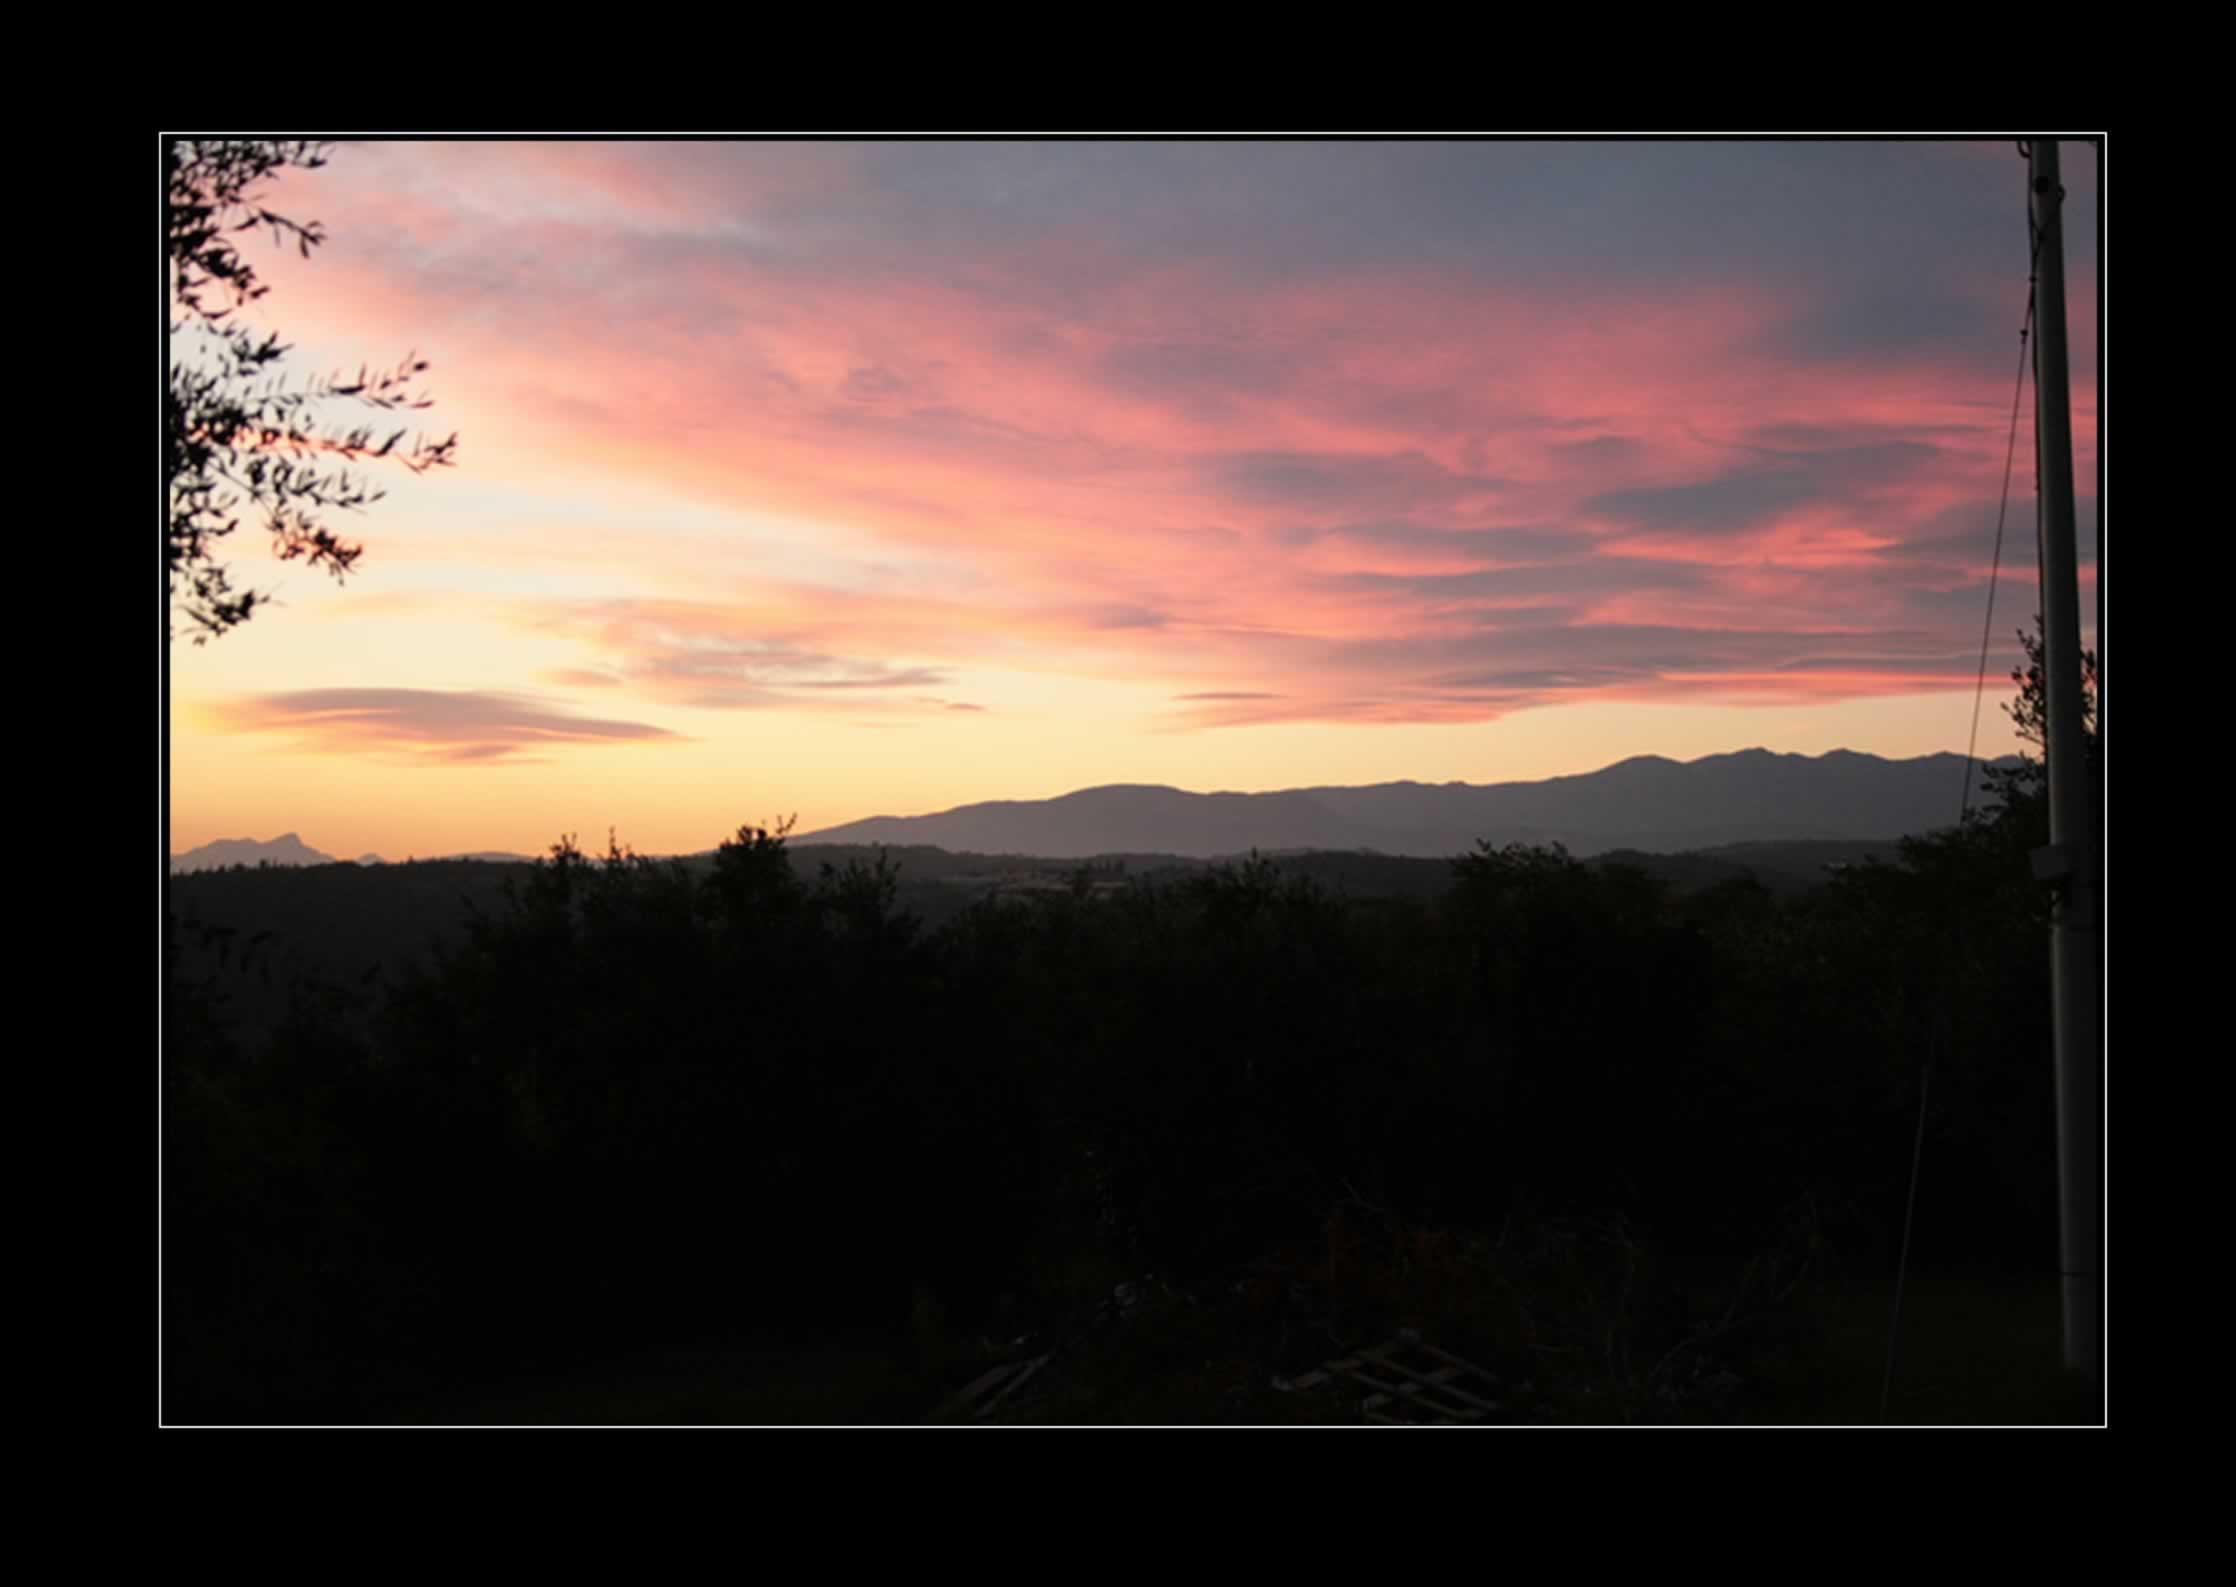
pixel 286 849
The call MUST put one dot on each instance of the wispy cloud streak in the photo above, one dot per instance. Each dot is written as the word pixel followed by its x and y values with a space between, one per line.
pixel 426 725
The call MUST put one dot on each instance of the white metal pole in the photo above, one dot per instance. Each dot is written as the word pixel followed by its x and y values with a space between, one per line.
pixel 2070 862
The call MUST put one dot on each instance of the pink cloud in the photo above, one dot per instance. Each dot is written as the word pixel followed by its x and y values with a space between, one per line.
pixel 1228 475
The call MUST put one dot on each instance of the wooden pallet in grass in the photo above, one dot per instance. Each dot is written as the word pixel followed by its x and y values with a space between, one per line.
pixel 1410 1383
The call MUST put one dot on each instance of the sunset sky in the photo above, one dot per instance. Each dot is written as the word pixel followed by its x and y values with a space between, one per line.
pixel 875 478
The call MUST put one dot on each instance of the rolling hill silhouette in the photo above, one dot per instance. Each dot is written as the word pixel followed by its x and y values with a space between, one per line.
pixel 1648 803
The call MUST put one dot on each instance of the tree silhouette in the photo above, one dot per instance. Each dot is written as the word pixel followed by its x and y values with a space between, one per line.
pixel 2022 790
pixel 236 430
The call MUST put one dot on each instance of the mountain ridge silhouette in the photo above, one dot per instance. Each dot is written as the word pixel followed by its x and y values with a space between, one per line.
pixel 1645 802
pixel 1650 803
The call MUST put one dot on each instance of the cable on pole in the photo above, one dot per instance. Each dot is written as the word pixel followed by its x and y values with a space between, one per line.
pixel 1995 567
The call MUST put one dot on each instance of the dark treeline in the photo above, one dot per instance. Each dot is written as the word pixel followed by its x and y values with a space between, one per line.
pixel 634 1100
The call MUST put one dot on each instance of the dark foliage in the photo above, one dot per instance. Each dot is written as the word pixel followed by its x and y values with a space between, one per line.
pixel 629 1101
pixel 2018 793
